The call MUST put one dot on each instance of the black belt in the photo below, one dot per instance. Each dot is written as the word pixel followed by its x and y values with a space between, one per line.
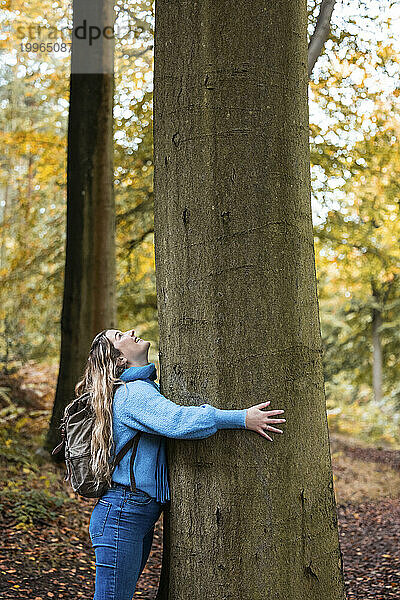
pixel 114 484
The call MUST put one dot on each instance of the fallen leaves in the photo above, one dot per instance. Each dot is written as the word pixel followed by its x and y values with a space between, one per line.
pixel 371 553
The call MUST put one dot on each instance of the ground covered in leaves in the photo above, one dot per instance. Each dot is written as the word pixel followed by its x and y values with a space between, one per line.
pixel 45 549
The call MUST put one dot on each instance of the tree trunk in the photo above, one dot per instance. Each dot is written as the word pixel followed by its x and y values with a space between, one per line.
pixel 376 354
pixel 3 221
pixel 237 300
pixel 89 285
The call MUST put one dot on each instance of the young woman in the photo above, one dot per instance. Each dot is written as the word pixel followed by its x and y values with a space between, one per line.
pixel 126 400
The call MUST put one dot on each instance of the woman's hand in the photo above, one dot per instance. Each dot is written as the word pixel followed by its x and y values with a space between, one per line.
pixel 259 420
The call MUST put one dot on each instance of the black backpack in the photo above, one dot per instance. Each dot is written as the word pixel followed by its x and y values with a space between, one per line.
pixel 76 432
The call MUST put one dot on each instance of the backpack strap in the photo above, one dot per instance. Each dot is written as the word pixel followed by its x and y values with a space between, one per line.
pixel 132 443
pixel 134 448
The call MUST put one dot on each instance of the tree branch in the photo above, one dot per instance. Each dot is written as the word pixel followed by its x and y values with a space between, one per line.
pixel 387 261
pixel 143 206
pixel 131 244
pixel 321 33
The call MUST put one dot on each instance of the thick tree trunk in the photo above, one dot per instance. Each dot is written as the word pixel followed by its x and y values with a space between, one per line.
pixel 237 301
pixel 89 285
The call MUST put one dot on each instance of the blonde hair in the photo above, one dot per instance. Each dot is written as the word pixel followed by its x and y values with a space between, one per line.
pixel 100 378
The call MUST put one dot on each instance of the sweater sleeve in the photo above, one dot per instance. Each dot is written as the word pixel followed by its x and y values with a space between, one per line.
pixel 144 408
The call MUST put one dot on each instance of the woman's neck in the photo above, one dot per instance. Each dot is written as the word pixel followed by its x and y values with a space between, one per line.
pixel 137 363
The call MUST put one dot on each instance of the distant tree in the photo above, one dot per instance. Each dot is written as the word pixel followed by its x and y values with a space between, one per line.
pixel 89 284
pixel 359 265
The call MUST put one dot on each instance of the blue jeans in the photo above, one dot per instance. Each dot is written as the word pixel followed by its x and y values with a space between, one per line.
pixel 121 530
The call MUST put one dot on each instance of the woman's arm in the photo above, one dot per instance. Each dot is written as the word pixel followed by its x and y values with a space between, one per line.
pixel 143 407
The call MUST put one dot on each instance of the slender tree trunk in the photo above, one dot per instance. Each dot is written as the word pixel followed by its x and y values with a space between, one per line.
pixel 376 352
pixel 3 221
pixel 89 286
pixel 238 310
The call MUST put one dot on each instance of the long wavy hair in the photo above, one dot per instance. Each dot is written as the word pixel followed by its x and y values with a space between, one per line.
pixel 100 378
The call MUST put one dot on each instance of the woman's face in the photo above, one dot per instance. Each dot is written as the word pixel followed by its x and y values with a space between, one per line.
pixel 134 349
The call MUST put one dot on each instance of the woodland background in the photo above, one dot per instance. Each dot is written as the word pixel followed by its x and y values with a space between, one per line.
pixel 354 100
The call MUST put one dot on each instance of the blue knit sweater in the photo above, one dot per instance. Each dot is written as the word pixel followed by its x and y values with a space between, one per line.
pixel 139 405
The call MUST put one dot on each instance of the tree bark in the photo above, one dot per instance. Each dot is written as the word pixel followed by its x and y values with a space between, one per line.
pixel 89 284
pixel 237 304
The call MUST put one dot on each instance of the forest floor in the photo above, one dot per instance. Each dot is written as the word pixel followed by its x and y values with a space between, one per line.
pixel 45 549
